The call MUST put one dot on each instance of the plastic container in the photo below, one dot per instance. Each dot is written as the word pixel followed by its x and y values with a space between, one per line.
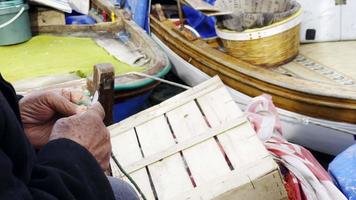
pixel 343 171
pixel 126 108
pixel 14 22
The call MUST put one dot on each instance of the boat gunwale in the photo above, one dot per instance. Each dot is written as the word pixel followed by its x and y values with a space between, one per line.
pixel 260 73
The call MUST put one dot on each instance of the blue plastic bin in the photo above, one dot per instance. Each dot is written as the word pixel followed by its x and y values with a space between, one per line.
pixel 343 171
pixel 126 108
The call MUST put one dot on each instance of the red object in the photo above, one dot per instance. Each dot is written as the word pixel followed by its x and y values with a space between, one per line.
pixel 105 16
pixel 292 187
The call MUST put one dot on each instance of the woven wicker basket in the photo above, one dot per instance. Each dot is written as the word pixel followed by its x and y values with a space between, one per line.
pixel 269 46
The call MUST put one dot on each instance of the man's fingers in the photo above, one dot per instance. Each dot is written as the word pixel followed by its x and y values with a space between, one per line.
pixel 39 135
pixel 97 109
pixel 74 96
pixel 62 105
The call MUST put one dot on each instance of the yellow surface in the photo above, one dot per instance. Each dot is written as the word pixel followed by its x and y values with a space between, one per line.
pixel 51 55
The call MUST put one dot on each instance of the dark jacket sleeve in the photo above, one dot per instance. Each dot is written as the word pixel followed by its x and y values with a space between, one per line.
pixel 62 169
pixel 11 187
pixel 66 170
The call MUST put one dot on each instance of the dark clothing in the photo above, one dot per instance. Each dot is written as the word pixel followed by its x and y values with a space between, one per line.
pixel 122 190
pixel 62 169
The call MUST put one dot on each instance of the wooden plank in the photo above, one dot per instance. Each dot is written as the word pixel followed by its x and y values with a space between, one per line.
pixel 242 151
pixel 169 176
pixel 104 78
pixel 166 106
pixel 126 150
pixel 60 29
pixel 46 17
pixel 219 107
pixel 240 145
pixel 73 84
pixel 148 160
pixel 158 12
pixel 267 187
pixel 239 184
pixel 187 122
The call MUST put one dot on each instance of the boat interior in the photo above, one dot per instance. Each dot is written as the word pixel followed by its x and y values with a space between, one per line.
pixel 120 42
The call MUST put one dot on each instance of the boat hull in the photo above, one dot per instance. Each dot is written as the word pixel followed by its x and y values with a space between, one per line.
pixel 320 135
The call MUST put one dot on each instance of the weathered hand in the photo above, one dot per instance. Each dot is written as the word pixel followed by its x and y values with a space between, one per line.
pixel 40 110
pixel 88 130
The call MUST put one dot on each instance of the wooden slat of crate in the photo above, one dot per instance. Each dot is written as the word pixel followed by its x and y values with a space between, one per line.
pixel 184 145
pixel 267 187
pixel 205 160
pixel 215 102
pixel 234 143
pixel 126 151
pixel 169 176
pixel 166 106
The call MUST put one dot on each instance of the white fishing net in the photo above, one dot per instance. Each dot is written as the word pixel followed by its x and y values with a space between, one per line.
pixel 254 13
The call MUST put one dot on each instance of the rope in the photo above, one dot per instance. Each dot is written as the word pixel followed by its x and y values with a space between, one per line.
pixel 13 19
pixel 128 176
pixel 162 80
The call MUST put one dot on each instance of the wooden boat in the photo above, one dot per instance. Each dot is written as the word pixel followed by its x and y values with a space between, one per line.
pixel 318 87
pixel 140 47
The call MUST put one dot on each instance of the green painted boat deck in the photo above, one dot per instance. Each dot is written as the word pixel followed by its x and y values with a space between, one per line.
pixel 46 55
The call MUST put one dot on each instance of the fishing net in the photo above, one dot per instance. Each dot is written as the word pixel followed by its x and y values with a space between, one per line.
pixel 249 14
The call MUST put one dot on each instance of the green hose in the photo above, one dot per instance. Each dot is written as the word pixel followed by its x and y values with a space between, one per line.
pixel 128 176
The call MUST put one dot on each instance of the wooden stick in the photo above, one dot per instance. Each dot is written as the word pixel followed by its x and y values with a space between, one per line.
pixel 180 15
pixel 103 80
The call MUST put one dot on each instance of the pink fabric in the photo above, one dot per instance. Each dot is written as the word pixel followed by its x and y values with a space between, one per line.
pixel 308 174
pixel 264 103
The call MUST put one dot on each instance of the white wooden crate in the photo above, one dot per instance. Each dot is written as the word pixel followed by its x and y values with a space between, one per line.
pixel 196 145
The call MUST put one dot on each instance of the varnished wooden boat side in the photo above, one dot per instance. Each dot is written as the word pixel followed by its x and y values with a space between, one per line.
pixel 321 100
